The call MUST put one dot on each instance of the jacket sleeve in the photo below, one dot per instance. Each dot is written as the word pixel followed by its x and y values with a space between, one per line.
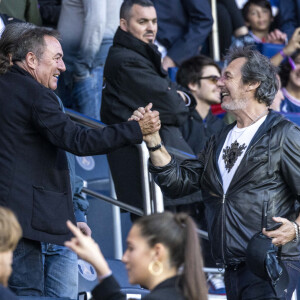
pixel 140 84
pixel 108 289
pixel 178 180
pixel 290 159
pixel 288 19
pixel 199 26
pixel 62 132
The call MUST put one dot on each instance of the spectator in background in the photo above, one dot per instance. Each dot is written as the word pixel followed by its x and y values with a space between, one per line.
pixel 50 11
pixel 85 51
pixel 289 58
pixel 230 23
pixel 289 16
pixel 290 77
pixel 183 29
pixel 133 75
pixel 200 74
pixel 163 254
pixel 10 234
pixel 258 17
pixel 25 10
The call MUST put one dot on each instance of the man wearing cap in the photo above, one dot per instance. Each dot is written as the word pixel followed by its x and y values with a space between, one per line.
pixel 251 169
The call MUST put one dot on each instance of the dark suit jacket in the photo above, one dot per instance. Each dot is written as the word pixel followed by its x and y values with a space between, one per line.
pixel 183 26
pixel 8 20
pixel 109 289
pixel 34 135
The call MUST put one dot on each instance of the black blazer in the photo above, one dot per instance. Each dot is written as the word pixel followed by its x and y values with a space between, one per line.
pixel 109 289
pixel 8 20
pixel 34 135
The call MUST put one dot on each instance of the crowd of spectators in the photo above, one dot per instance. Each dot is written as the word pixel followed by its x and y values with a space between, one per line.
pixel 117 61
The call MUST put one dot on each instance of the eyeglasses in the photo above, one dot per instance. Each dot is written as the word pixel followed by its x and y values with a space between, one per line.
pixel 214 79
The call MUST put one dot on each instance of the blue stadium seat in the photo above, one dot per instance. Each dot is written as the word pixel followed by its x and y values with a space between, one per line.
pixel 269 50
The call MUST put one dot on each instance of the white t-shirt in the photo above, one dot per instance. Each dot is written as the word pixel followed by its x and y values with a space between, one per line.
pixel 2 26
pixel 243 136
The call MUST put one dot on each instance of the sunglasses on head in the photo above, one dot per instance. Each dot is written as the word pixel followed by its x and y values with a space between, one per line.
pixel 214 79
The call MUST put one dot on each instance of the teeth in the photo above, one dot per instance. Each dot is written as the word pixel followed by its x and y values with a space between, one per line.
pixel 56 76
pixel 224 94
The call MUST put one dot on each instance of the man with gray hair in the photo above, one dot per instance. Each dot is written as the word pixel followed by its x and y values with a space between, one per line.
pixel 251 169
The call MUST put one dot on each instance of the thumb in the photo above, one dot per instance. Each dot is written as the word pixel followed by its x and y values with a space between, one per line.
pixel 148 107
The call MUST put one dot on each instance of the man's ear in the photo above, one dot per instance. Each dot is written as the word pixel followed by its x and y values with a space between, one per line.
pixel 253 86
pixel 123 24
pixel 31 60
pixel 192 86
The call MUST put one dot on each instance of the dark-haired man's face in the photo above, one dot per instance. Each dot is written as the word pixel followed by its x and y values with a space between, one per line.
pixel 142 23
pixel 50 65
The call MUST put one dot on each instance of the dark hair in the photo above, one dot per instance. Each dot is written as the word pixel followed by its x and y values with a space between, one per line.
pixel 261 3
pixel 32 40
pixel 9 41
pixel 286 68
pixel 178 233
pixel 190 70
pixel 127 5
pixel 257 68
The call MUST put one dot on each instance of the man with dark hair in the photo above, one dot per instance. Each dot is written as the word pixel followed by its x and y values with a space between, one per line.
pixel 133 77
pixel 200 75
pixel 251 169
pixel 35 133
pixel 133 74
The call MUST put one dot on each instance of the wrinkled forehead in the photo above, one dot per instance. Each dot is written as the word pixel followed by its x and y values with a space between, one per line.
pixel 52 46
pixel 235 66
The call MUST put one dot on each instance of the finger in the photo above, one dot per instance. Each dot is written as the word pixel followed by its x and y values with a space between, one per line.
pixel 155 113
pixel 138 114
pixel 148 107
pixel 279 220
pixel 141 110
pixel 76 231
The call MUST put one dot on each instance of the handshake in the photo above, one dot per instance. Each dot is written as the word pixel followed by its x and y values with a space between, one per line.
pixel 148 120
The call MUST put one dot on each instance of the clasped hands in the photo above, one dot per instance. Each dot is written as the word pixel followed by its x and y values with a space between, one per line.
pixel 149 122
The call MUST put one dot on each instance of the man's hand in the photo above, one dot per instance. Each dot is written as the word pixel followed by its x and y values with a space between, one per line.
pixel 168 63
pixel 84 228
pixel 147 119
pixel 284 234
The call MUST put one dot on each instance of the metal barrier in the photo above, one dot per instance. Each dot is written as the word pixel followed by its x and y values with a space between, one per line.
pixel 152 195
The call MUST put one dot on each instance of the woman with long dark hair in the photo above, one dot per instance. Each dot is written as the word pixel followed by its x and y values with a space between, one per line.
pixel 163 254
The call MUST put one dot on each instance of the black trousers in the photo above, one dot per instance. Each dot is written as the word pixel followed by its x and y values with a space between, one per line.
pixel 242 284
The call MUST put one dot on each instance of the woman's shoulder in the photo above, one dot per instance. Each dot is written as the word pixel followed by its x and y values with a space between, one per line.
pixel 168 289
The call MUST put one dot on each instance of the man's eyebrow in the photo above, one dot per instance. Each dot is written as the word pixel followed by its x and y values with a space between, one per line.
pixel 145 19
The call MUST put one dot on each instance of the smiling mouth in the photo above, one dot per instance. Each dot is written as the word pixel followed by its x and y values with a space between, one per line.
pixel 224 94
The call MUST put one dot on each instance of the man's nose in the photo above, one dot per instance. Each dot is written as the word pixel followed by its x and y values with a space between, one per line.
pixel 62 66
pixel 150 26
